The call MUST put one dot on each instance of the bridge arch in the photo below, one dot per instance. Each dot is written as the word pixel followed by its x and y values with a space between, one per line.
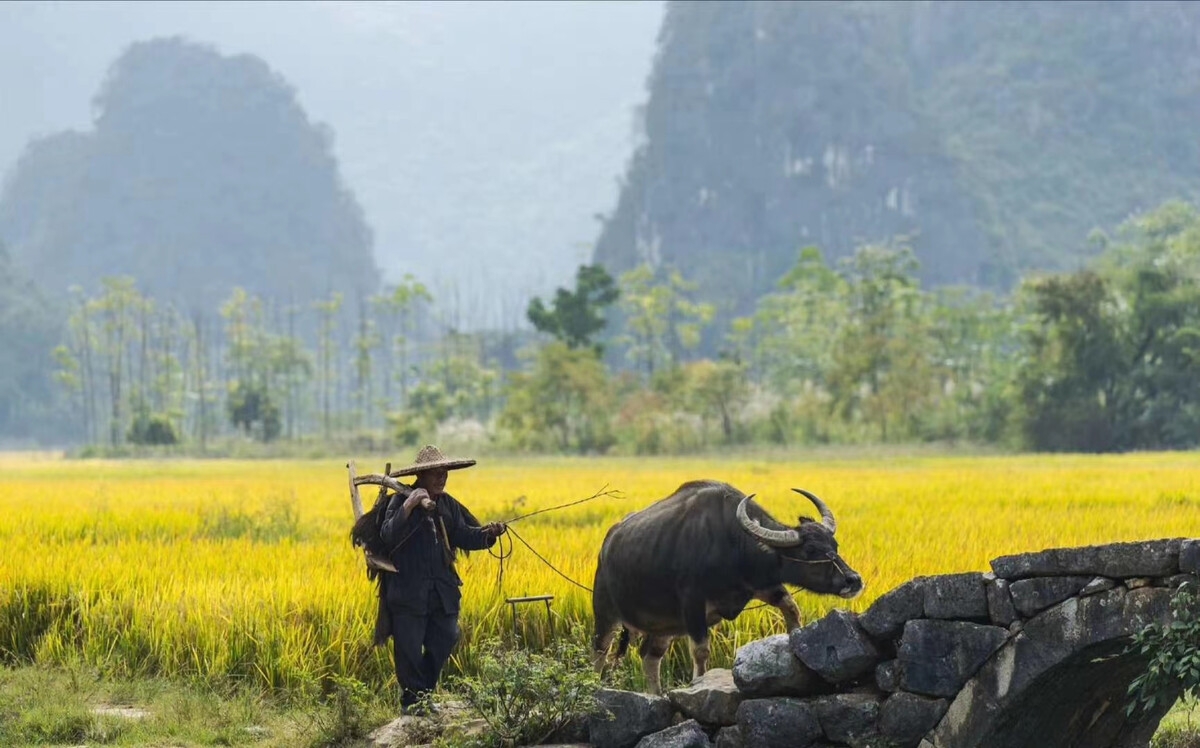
pixel 1061 680
pixel 1030 655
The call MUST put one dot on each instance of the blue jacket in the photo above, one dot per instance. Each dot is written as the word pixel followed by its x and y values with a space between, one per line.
pixel 424 546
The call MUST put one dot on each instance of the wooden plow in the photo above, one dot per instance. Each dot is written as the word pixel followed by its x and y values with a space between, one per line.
pixel 385 482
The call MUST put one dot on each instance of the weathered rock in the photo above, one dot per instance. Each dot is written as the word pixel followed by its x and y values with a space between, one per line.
pixel 574 731
pixel 768 667
pixel 687 734
pixel 1097 585
pixel 1032 596
pixel 778 723
pixel 887 676
pixel 634 716
pixel 729 737
pixel 1177 580
pixel 835 647
pixel 999 601
pixel 1189 556
pixel 848 717
pixel 1152 558
pixel 905 717
pixel 712 699
pixel 886 617
pixel 937 657
pixel 403 731
pixel 956 596
pixel 1138 582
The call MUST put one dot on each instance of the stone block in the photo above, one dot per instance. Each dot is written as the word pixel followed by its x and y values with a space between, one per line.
pixel 835 647
pixel 711 699
pixel 687 734
pixel 886 617
pixel 768 667
pixel 1189 557
pixel 999 601
pixel 1152 558
pixel 1031 596
pixel 887 676
pixel 633 717
pixel 778 723
pixel 1097 585
pixel 729 737
pixel 905 718
pixel 848 717
pixel 956 596
pixel 938 657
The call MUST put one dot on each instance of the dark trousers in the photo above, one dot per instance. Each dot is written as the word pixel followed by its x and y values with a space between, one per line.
pixel 422 645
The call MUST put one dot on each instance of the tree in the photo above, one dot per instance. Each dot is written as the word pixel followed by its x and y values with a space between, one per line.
pixel 575 317
pixel 881 368
pixel 661 319
pixel 398 307
pixel 562 401
pixel 327 350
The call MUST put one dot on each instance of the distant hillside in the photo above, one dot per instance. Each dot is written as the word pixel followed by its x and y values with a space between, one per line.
pixel 997 135
pixel 202 173
pixel 28 333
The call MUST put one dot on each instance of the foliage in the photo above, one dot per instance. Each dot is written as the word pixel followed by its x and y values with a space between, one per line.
pixel 575 317
pixel 562 400
pixel 1172 650
pixel 155 429
pixel 662 319
pixel 525 697
pixel 1113 352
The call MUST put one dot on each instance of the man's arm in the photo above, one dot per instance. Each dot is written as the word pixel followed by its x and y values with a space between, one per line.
pixel 398 512
pixel 469 537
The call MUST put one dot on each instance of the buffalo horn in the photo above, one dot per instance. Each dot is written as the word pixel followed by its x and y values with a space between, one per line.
pixel 826 513
pixel 780 538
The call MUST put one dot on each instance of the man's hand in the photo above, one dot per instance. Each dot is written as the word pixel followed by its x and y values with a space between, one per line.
pixel 495 529
pixel 420 497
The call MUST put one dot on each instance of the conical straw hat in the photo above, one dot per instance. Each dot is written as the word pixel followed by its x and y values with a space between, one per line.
pixel 431 458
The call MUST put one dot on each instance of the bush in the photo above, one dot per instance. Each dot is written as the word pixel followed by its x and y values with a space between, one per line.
pixel 1173 652
pixel 525 697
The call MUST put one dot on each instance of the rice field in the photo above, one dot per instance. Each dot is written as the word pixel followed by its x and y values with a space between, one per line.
pixel 242 572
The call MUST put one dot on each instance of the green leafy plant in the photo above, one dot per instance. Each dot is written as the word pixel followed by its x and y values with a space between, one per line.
pixel 1173 652
pixel 525 697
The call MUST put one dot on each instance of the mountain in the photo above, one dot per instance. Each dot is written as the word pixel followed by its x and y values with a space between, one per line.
pixel 995 135
pixel 481 138
pixel 202 173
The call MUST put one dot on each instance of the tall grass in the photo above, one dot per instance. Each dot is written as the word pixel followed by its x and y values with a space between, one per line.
pixel 242 571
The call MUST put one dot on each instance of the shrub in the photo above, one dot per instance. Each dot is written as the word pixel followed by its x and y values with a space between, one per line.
pixel 1173 652
pixel 525 697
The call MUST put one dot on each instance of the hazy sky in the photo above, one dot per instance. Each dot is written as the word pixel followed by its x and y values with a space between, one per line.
pixel 481 138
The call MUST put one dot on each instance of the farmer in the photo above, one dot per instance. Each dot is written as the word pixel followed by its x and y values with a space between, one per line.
pixel 426 528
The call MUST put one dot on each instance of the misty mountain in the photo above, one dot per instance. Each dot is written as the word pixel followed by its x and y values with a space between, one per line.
pixel 29 329
pixel 480 138
pixel 202 173
pixel 995 135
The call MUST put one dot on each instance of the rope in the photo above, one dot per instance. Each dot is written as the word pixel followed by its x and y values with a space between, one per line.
pixel 603 492
pixel 547 563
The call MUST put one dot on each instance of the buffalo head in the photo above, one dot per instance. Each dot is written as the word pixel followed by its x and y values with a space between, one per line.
pixel 807 553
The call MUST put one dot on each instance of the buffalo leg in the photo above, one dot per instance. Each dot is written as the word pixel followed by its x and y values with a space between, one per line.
pixel 780 598
pixel 695 621
pixel 606 621
pixel 652 650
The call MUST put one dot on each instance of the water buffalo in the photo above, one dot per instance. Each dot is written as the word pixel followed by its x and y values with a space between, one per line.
pixel 699 556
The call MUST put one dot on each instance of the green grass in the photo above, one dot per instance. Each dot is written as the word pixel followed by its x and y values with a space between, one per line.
pixel 43 707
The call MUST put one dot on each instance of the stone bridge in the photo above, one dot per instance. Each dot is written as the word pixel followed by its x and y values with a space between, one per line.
pixel 1029 655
